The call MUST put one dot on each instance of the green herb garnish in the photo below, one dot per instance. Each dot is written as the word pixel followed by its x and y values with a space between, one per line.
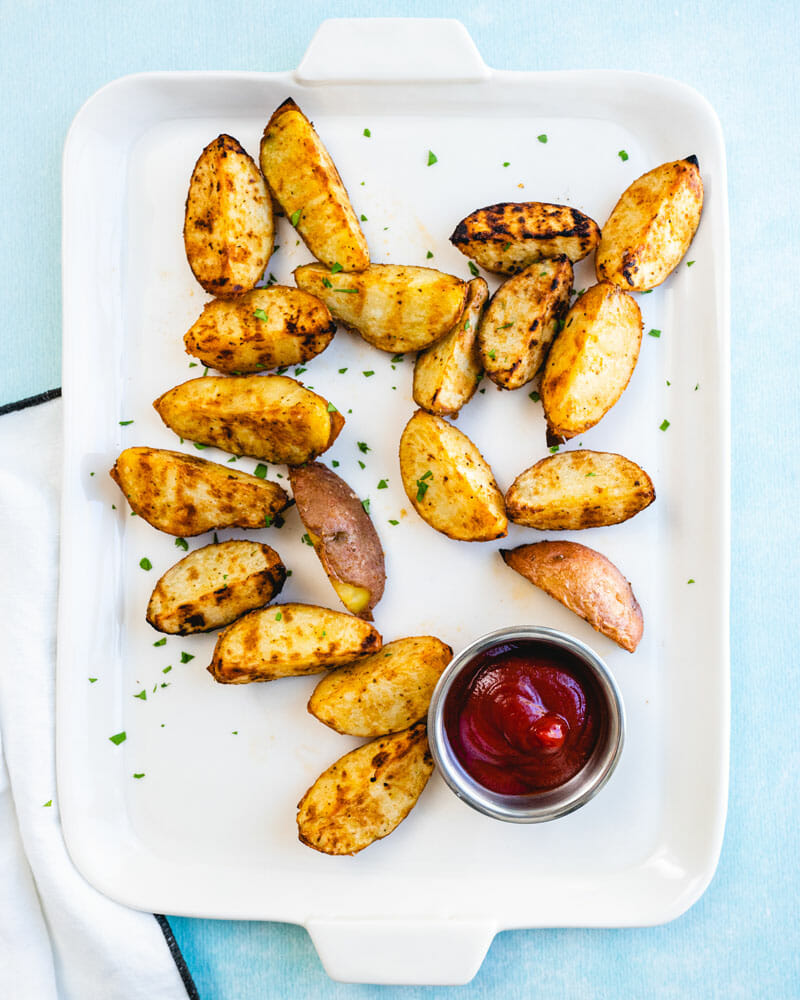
pixel 336 267
pixel 432 158
pixel 473 269
pixel 278 617
pixel 260 314
pixel 689 263
pixel 653 333
pixel 363 447
pixel 142 694
pixel 428 255
pixel 664 425
pixel 364 218
pixel 161 642
pixel 92 680
pixel 534 396
pixel 124 423
pixel 296 217
pixel 260 470
pixel 542 137
pixel 492 354
pixel 422 485
pixel 392 521
pixel 306 540
pixel 119 738
pixel 367 133
pixel 185 657
pixel 367 374
pixel 347 291
pixel 181 543
pixel 332 408
pixel 622 155
pixel 145 563
pixel 365 505
pixel 335 464
pixel 382 485
pixel 140 775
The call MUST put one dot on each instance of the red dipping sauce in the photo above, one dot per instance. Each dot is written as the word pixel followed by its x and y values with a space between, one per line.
pixel 524 717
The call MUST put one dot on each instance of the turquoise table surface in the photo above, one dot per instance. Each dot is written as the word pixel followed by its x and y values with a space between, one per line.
pixel 742 939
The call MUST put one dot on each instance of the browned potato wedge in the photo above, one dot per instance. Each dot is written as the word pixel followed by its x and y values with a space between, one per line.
pixel 263 329
pixel 343 536
pixel 508 237
pixel 383 693
pixel 651 226
pixel 304 181
pixel 228 229
pixel 394 307
pixel 449 482
pixel 214 586
pixel 591 360
pixel 447 374
pixel 287 640
pixel 264 416
pixel 584 581
pixel 579 489
pixel 366 794
pixel 184 495
pixel 524 315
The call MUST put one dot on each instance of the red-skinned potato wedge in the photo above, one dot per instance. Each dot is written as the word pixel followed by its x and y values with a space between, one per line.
pixel 578 489
pixel 449 482
pixel 306 184
pixel 591 360
pixel 366 794
pixel 186 495
pixel 343 536
pixel 289 640
pixel 382 693
pixel 584 581
pixel 214 586
pixel 509 237
pixel 264 416
pixel 260 330
pixel 651 226
pixel 228 230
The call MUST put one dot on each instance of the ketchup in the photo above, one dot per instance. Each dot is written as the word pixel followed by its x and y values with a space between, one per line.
pixel 525 718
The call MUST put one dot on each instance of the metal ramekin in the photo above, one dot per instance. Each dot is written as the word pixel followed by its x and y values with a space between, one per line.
pixel 541 806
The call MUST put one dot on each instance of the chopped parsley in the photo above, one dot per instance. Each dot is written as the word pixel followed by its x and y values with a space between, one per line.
pixel 347 291
pixel 326 283
pixel 534 396
pixel 296 216
pixel 364 218
pixel 392 521
pixel 46 804
pixel 332 408
pixel 124 423
pixel 306 540
pixel 653 333
pixel 342 371
pixel 542 137
pixel 299 371
pixel 92 680
pixel 199 446
pixel 361 464
pixel 367 133
pixel 690 581
pixel 139 775
pixel 118 738
pixel 473 269
pixel 145 563
pixel 278 617
pixel 161 642
pixel 365 505
pixel 422 485
pixel 492 354
pixel 166 670
pixel 397 359
pixel 622 155
pixel 336 267
pixel 260 470
pixel 383 485
pixel 363 447
pixel 367 374
pixel 590 474
pixel 507 163
pixel 181 543
pixel 554 448
pixel 185 657
pixel 689 263
pixel 142 694
pixel 193 364
pixel 664 425
pixel 505 326
pixel 260 314
pixel 335 464
pixel 432 158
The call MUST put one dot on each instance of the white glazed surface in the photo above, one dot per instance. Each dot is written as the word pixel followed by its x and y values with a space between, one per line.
pixel 210 830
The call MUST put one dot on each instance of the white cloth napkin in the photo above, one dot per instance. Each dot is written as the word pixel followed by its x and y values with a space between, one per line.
pixel 60 939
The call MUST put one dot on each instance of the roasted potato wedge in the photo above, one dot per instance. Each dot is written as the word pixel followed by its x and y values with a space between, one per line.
pixel 263 329
pixel 287 640
pixel 214 586
pixel 651 226
pixel 578 489
pixel 264 416
pixel 343 536
pixel 304 181
pixel 449 482
pixel 394 307
pixel 591 360
pixel 521 321
pixel 366 794
pixel 385 692
pixel 584 581
pixel 447 373
pixel 509 237
pixel 184 495
pixel 228 228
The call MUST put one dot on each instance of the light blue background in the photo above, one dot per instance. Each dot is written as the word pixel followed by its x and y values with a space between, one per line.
pixel 742 938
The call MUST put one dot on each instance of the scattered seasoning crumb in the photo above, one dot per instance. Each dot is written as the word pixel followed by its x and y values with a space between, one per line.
pixel 367 133
pixel 506 326
pixel 392 521
pixel 118 738
pixel 664 425
pixel 653 333
pixel 124 423
pixel 260 470
pixel 268 519
pixel 335 464
pixel 296 216
pixel 365 505
pixel 145 563
pixel 161 642
pixel 534 396
pixel 185 657
pixel 473 269
pixel 92 680
pixel 622 155
pixel 382 485
pixel 140 775
pixel 432 158
pixel 260 314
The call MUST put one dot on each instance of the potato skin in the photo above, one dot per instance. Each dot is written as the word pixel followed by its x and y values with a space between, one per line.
pixel 289 640
pixel 214 586
pixel 449 482
pixel 591 360
pixel 366 794
pixel 651 226
pixel 229 337
pixel 343 535
pixel 508 237
pixel 584 581
pixel 303 178
pixel 394 307
pixel 228 229
pixel 383 693
pixel 185 495
pixel 521 321
pixel 264 416
pixel 447 373
pixel 578 489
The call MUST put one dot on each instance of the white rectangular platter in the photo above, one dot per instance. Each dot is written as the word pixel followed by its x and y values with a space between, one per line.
pixel 210 828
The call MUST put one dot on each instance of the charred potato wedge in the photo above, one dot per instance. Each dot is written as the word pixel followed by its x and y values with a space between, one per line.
pixel 509 237
pixel 343 536
pixel 383 693
pixel 366 794
pixel 579 489
pixel 264 416
pixel 228 229
pixel 651 226
pixel 521 321
pixel 447 373
pixel 260 330
pixel 449 482
pixel 591 360
pixel 394 307
pixel 214 586
pixel 184 495
pixel 289 640
pixel 584 581
pixel 304 181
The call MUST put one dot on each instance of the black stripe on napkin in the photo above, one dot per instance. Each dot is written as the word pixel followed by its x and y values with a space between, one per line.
pixel 177 957
pixel 22 404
